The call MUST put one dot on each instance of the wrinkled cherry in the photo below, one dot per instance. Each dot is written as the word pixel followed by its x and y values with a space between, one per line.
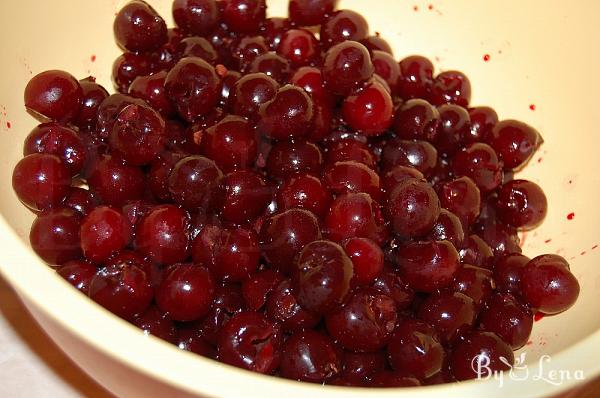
pixel 283 308
pixel 391 285
pixel 257 289
pixel 228 301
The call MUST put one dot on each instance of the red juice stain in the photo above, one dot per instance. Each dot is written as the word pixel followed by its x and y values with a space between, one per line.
pixel 415 8
pixel 594 247
pixel 532 107
pixel 486 57
pixel 221 70
pixel 570 216
pixel 8 125
pixel 93 58
pixel 529 342
pixel 540 159
pixel 538 316
pixel 548 241
pixel 583 253
pixel 430 7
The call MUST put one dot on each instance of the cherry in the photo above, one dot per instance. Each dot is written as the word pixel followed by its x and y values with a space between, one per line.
pixel 483 120
pixel 346 66
pixel 417 119
pixel 450 87
pixel 227 84
pixel 287 158
pixel 109 109
pixel 507 272
pixel 158 175
pixel 414 348
pixel 197 47
pixel 54 95
pixel 283 235
pixel 156 323
pixel 310 12
pixel 522 204
pixel 461 197
pixel 162 234
pixel 273 28
pixel 282 307
pixel 189 339
pixel 474 282
pixel 367 260
pixel 547 285
pixel 515 142
pixel 366 321
pixel 397 174
pixel 299 46
pixel 227 302
pixel 420 155
pixel 244 16
pixel 360 367
pixel 259 286
pixel 55 139
pixel 501 238
pixel 451 313
pixel 78 273
pixel 195 182
pixel 272 65
pixel 304 191
pixel 115 183
pixel 92 96
pixel 310 356
pixel 412 208
pixel 129 258
pixel 369 110
pixel 196 17
pixel 350 176
pixel 508 319
pixel 350 150
pixel 479 162
pixel 479 354
pixel 186 292
pixel 343 25
pixel 355 215
pixel 125 290
pixel 454 127
pixel 287 115
pixel 416 77
pixel 427 266
pixel 193 87
pixel 390 284
pixel 54 236
pixel 250 341
pixel 250 92
pixel 311 80
pixel 41 181
pixel 448 227
pixel 152 90
pixel 231 143
pixel 128 67
pixel 246 49
pixel 138 27
pixel 247 195
pixel 103 232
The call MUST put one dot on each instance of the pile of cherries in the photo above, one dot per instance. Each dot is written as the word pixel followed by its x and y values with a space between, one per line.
pixel 282 195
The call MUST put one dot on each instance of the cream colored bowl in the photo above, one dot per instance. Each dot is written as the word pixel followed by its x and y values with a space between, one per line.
pixel 541 53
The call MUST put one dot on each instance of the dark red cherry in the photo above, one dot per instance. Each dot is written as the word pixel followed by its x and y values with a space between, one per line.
pixel 41 181
pixel 273 28
pixel 501 238
pixel 158 175
pixel 483 120
pixel 391 285
pixel 231 143
pixel 190 339
pixel 128 67
pixel 369 110
pixel 414 348
pixel 103 232
pixel 322 273
pixel 386 67
pixel 462 197
pixel 287 158
pixel 228 301
pixel 304 191
pixel 547 285
pixel 109 109
pixel 197 47
pixel 247 195
pixel 186 292
pixel 155 322
pixel 299 46
pixel 283 235
pixel 195 181
pixel 250 341
pixel 348 150
pixel 92 96
pixel 479 162
pixel 138 27
pixel 451 313
pixel 283 308
pixel 272 65
pixel 507 272
pixel 81 200
pixel 310 356
pixel 54 95
pixel 152 90
pixel 115 183
pixel 346 66
pixel 287 115
pixel 310 12
pixel 416 77
pixel 507 318
pixel 246 49
pixel 412 153
pixel 522 204
pixel 367 259
pixel 130 257
pixel 454 127
pixel 343 25
pixel 474 282
pixel 478 354
pixel 360 367
pixel 515 142
pixel 311 80
pixel 54 236
pixel 417 119
pixel 250 92
pixel 244 16
pixel 78 273
pixel 196 17
pixel 398 174
pixel 162 234
pixel 451 87
pixel 448 227
pixel 55 139
pixel 350 176
pixel 257 289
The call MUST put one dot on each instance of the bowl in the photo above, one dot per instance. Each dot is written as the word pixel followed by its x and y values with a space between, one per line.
pixel 531 61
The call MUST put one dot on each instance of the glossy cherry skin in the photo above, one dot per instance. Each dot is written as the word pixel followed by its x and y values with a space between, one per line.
pixel 451 87
pixel 321 277
pixel 115 183
pixel 299 46
pixel 186 292
pixel 414 348
pixel 247 195
pixel 367 260
pixel 54 236
pixel 355 215
pixel 250 92
pixel 230 254
pixel 360 367
pixel 311 80
pixel 158 175
pixel 366 321
pixel 397 174
pixel 417 119
pixel 190 339
pixel 193 86
pixel 507 272
pixel 78 273
pixel 350 149
pixel 386 67
pixel 505 316
pixel 196 17
pixel 92 96
pixel 55 139
pixel 346 66
pixel 522 204
pixel 310 12
pixel 515 142
pixel 287 158
pixel 369 110
pixel 250 341
pixel 479 162
pixel 310 356
pixel 412 153
pixel 195 182
pixel 197 47
pixel 283 308
pixel 152 90
pixel 227 83
pixel 454 127
pixel 390 284
pixel 54 95
pixel 125 290
pixel 451 313
pixel 416 77
pixel 283 235
pixel 483 120
pixel 501 238
pixel 287 115
pixel 343 25
pixel 129 258
pixel 244 16
pixel 231 143
pixel 272 65
pixel 162 234
pixel 228 301
pixel 412 208
pixel 480 353
pixel 128 67
pixel 304 191
pixel 246 49
pixel 155 322
pixel 461 197
pixel 109 109
pixel 547 285
pixel 350 176
pixel 427 266
pixel 41 181
pixel 448 227
pixel 257 289
pixel 138 27
pixel 273 28
pixel 475 282
pixel 103 232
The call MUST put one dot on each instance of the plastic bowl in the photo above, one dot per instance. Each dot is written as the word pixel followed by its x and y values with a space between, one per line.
pixel 542 69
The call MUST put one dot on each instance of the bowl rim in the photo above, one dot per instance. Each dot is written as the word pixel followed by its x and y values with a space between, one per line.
pixel 40 286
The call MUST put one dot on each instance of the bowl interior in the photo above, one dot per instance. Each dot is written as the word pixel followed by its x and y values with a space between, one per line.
pixel 537 72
